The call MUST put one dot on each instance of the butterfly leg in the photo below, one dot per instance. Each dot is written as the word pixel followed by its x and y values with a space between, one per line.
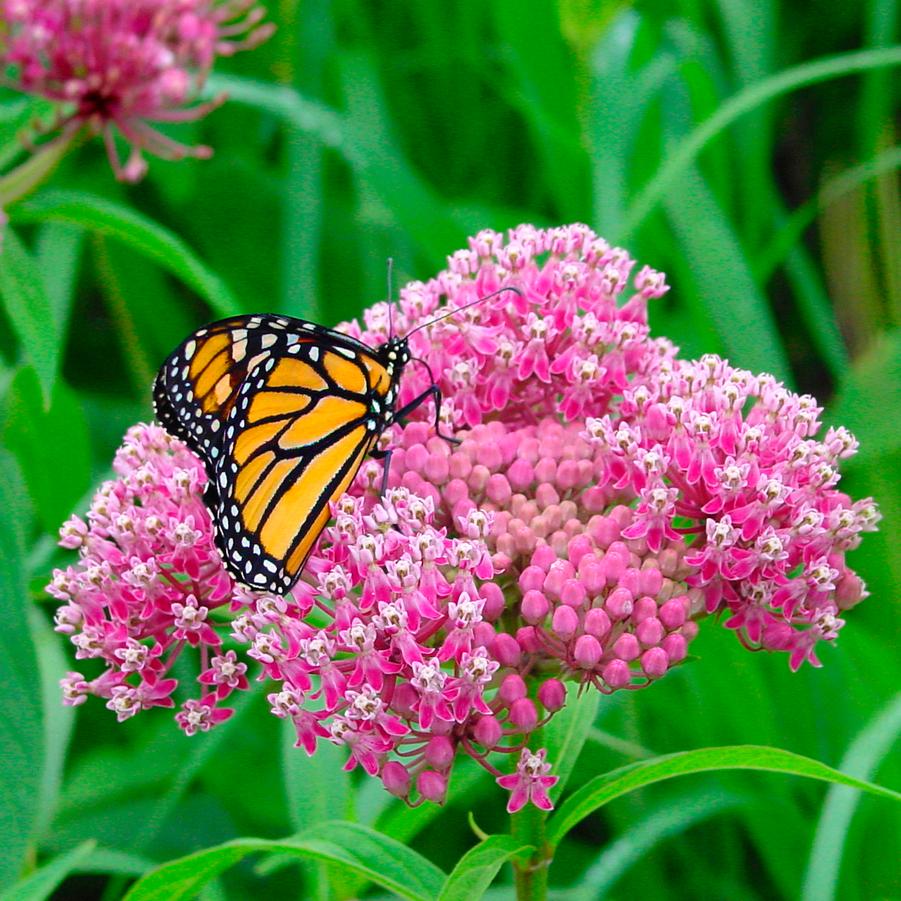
pixel 386 466
pixel 434 392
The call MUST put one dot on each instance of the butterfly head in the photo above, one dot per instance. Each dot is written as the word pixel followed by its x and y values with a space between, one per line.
pixel 396 354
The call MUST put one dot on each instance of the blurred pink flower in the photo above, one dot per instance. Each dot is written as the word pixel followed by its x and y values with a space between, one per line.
pixel 115 65
pixel 604 498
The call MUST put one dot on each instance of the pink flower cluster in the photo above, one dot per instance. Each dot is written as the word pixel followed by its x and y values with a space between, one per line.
pixel 389 647
pixel 119 64
pixel 148 583
pixel 604 497
pixel 593 605
pixel 720 469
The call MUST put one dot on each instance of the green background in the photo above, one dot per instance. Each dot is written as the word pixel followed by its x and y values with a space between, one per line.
pixel 722 141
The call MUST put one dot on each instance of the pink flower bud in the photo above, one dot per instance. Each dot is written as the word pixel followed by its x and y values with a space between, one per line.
pixel 618 604
pixel 437 468
pixel 573 593
pixel 545 472
pixel 523 715
pixel 546 494
pixel 534 607
pixel 543 557
pixel 432 786
pixel 587 651
pixel 520 475
pixel 416 457
pixel 565 622
pixel 630 580
pixel 616 674
pixel 495 602
pixel 649 631
pixel 498 490
pixel 459 466
pixel 626 647
pixel 675 647
pixel 643 609
pixel 672 613
pixel 654 662
pixel 396 778
pixel 849 591
pixel 505 649
pixel 552 695
pixel 488 732
pixel 597 623
pixel 483 634
pixel 532 577
pixel 439 752
pixel 528 640
pixel 579 547
pixel 594 500
pixel 478 478
pixel 651 581
pixel 512 689
pixel 455 491
pixel 404 699
pixel 593 576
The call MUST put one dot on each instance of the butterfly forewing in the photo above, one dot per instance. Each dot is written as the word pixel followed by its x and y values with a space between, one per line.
pixel 282 412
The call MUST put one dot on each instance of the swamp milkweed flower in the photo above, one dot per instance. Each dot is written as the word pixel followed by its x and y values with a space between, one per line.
pixel 605 498
pixel 118 65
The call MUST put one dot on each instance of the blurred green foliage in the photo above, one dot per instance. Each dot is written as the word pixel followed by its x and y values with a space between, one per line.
pixel 688 129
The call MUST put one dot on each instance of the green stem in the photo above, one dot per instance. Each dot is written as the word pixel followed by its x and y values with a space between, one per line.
pixel 531 875
pixel 31 174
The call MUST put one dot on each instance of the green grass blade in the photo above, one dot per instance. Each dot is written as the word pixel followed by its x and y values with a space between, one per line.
pixel 135 230
pixel 724 287
pixel 668 820
pixel 792 229
pixel 862 760
pixel 603 789
pixel 739 105
pixel 357 848
pixel 21 714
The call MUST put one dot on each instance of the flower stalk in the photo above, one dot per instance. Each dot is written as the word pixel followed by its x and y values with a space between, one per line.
pixel 531 874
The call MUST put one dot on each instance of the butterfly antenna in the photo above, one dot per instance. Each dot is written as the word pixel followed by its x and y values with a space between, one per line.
pixel 465 306
pixel 390 297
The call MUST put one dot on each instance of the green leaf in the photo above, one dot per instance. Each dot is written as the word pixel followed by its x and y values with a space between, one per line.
pixel 58 718
pixel 58 253
pixel 21 717
pixel 48 878
pixel 565 735
pixel 359 849
pixel 51 445
pixel 605 788
pixel 29 310
pixel 862 760
pixel 135 230
pixel 678 162
pixel 477 868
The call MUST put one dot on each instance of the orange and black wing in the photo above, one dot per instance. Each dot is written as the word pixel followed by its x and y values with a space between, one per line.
pixel 197 385
pixel 282 412
pixel 296 436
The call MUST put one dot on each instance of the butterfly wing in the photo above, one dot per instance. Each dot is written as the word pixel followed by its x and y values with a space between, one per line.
pixel 296 436
pixel 282 412
pixel 196 387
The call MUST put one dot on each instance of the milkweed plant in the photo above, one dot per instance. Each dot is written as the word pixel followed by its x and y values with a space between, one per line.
pixel 606 499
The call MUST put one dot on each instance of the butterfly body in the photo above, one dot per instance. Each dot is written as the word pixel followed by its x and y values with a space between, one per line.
pixel 282 412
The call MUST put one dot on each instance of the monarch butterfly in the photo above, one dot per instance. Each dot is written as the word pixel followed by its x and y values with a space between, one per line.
pixel 282 412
